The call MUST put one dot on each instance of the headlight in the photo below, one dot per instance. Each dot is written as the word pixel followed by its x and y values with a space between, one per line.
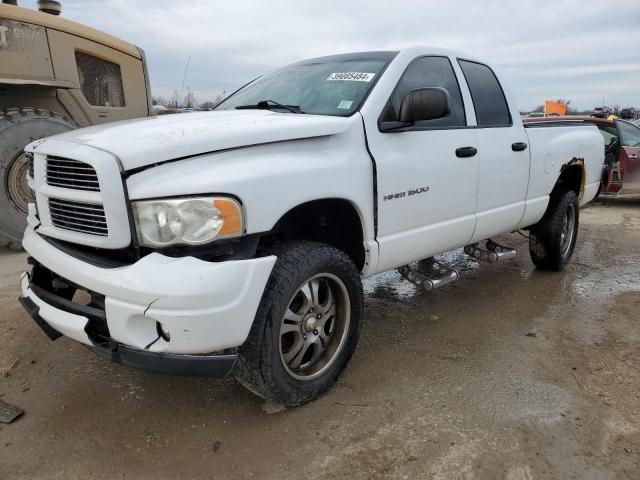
pixel 187 221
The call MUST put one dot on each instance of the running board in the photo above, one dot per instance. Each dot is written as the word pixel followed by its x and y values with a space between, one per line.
pixel 432 275
pixel 493 253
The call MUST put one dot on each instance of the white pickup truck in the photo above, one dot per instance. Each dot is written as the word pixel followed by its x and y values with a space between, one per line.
pixel 236 240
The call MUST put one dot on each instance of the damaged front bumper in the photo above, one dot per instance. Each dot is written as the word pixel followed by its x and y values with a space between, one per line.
pixel 160 313
pixel 195 365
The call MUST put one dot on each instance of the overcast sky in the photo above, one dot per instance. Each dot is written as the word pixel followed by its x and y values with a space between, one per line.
pixel 582 50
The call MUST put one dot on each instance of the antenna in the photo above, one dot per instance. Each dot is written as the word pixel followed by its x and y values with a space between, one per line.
pixel 184 77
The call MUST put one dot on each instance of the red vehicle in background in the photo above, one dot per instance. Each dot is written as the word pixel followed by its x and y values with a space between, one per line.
pixel 621 174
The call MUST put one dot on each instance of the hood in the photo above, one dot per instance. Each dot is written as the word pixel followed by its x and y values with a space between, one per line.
pixel 150 140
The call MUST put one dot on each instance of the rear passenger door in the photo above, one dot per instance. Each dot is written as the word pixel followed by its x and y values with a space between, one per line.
pixel 503 154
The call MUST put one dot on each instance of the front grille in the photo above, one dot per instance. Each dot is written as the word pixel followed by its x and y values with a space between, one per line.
pixel 78 217
pixel 73 174
pixel 30 164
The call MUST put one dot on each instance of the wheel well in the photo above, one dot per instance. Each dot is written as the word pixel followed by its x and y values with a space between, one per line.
pixel 332 221
pixel 571 178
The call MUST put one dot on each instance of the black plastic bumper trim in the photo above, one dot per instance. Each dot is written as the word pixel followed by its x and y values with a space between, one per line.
pixel 167 363
pixel 69 306
pixel 34 312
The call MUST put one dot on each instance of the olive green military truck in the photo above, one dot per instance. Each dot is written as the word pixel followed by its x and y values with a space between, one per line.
pixel 56 75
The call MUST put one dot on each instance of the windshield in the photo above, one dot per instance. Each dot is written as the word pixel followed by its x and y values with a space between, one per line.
pixel 335 85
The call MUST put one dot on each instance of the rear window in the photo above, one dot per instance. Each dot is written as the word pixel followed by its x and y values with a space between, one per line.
pixel 489 101
pixel 100 81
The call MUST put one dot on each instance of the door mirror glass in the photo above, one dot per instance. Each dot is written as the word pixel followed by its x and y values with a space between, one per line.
pixel 424 104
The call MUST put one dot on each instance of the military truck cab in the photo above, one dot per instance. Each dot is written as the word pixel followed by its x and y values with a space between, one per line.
pixel 56 75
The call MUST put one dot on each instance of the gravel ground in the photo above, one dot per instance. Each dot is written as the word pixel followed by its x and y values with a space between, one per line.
pixel 510 373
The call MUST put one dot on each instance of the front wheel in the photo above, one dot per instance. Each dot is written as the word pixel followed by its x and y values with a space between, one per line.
pixel 306 327
pixel 553 239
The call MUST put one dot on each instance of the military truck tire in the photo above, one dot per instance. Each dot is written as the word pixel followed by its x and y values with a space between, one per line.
pixel 18 128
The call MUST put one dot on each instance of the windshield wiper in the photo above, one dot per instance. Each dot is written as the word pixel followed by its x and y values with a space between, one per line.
pixel 270 105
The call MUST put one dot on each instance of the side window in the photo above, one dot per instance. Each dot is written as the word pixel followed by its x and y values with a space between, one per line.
pixel 428 72
pixel 100 81
pixel 488 98
pixel 629 134
pixel 609 133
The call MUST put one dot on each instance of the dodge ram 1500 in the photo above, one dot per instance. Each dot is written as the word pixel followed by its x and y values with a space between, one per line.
pixel 236 240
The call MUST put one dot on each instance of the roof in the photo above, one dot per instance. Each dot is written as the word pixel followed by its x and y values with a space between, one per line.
pixel 27 15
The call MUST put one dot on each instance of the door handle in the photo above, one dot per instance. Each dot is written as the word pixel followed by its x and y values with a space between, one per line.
pixel 518 146
pixel 633 155
pixel 465 152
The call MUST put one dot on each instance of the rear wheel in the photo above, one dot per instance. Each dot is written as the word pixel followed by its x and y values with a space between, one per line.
pixel 553 239
pixel 306 327
pixel 18 128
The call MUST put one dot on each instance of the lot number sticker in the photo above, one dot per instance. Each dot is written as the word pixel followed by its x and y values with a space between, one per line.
pixel 352 76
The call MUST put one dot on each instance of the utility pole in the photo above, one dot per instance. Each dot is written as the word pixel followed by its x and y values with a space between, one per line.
pixel 184 77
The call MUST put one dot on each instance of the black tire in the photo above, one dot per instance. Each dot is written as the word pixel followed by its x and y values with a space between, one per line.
pixel 18 128
pixel 548 247
pixel 260 366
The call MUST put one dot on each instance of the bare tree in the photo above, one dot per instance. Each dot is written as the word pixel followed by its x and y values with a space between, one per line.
pixel 220 97
pixel 211 104
pixel 189 99
pixel 175 100
pixel 208 105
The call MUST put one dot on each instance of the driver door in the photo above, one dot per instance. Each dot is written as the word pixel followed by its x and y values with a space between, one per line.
pixel 427 174
pixel 629 157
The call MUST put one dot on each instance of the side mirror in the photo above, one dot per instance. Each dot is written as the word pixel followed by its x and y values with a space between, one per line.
pixel 424 104
pixel 420 104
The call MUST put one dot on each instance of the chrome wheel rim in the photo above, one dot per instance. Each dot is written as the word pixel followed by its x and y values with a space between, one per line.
pixel 315 326
pixel 568 230
pixel 17 185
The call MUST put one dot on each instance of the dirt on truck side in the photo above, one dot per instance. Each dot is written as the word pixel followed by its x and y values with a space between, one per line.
pixel 56 75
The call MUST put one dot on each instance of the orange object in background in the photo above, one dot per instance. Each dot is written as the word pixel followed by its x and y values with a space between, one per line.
pixel 552 108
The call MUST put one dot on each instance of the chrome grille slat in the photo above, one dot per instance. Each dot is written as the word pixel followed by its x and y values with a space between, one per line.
pixel 57 171
pixel 72 174
pixel 85 217
pixel 66 211
pixel 84 206
pixel 63 180
pixel 84 231
pixel 74 187
pixel 78 216
pixel 54 180
pixel 82 225
pixel 69 167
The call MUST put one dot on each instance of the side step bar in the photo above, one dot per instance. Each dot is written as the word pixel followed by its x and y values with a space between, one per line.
pixel 431 275
pixel 493 253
